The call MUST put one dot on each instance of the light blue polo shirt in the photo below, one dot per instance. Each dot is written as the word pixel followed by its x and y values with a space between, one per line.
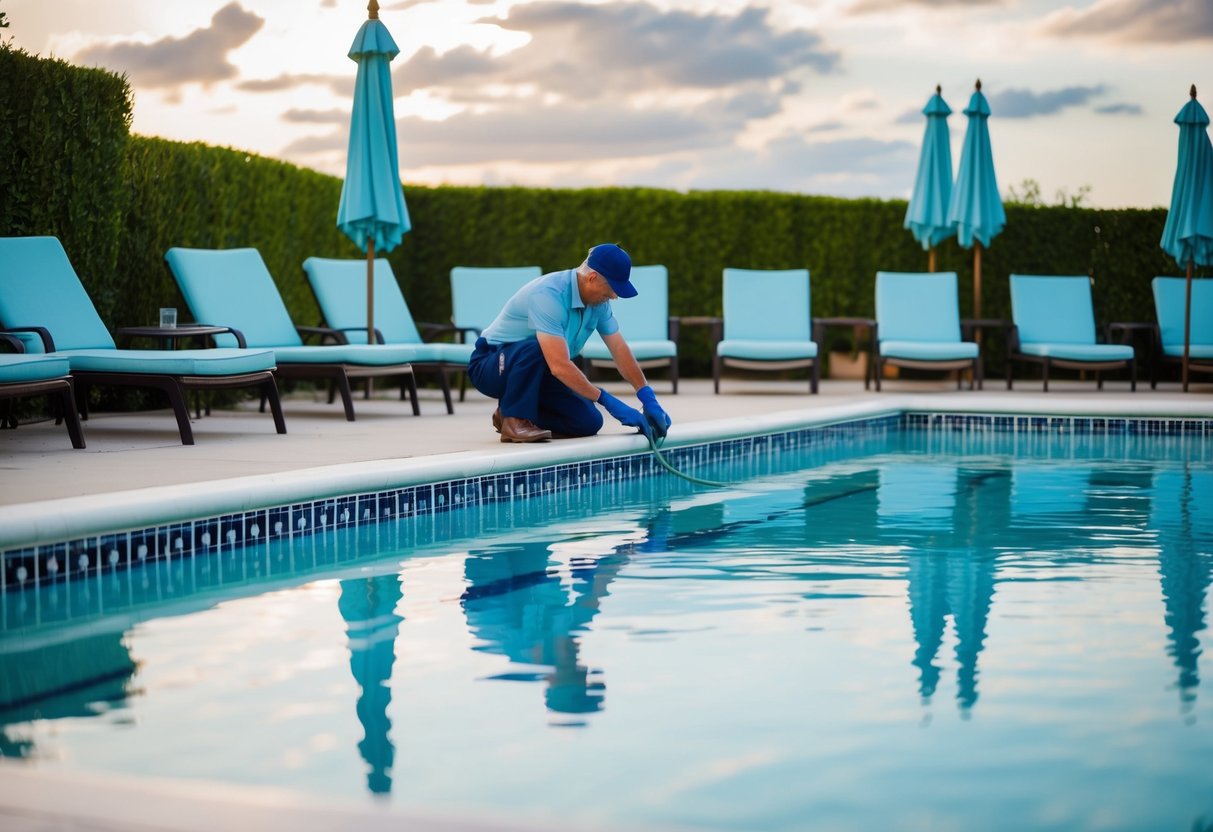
pixel 553 305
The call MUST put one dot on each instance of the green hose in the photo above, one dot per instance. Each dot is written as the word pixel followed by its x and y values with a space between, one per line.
pixel 656 447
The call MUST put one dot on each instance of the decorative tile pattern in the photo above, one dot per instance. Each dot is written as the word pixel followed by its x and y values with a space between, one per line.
pixel 291 539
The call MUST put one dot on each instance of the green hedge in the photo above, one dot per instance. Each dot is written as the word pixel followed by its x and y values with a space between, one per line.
pixel 68 167
pixel 63 139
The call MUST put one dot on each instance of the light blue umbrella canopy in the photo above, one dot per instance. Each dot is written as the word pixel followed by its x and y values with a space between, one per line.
pixel 372 212
pixel 976 209
pixel 927 213
pixel 1188 234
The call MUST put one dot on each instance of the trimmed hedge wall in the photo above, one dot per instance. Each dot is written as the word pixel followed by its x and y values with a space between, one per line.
pixel 68 167
pixel 63 138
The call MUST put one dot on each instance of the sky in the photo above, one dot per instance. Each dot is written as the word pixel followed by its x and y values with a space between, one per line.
pixel 806 96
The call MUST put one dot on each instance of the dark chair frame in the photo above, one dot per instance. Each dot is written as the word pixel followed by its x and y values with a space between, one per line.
pixel 60 390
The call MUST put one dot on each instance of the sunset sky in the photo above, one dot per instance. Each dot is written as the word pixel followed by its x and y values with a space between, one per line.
pixel 810 96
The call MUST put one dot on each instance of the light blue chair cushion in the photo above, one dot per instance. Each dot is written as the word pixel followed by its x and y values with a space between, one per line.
pixel 233 287
pixel 19 368
pixel 766 305
pixel 479 294
pixel 928 350
pixel 39 287
pixel 1079 352
pixel 1052 309
pixel 340 287
pixel 644 320
pixel 1170 298
pixel 920 308
pixel 222 361
pixel 367 355
pixel 596 349
pixel 442 353
pixel 766 350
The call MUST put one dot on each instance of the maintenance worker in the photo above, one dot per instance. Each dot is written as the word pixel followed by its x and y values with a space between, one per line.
pixel 524 358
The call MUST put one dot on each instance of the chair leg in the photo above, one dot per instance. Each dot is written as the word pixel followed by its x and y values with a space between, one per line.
pixel 181 410
pixel 411 380
pixel 1133 375
pixel 67 399
pixel 1098 380
pixel 674 374
pixel 716 374
pixel 1045 373
pixel 877 370
pixel 981 373
pixel 342 385
pixel 269 390
pixel 463 386
pixel 816 377
pixel 446 390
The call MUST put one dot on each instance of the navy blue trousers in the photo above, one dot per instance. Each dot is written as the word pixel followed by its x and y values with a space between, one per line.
pixel 518 376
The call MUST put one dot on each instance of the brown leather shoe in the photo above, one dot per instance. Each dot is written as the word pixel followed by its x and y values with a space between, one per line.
pixel 514 429
pixel 497 420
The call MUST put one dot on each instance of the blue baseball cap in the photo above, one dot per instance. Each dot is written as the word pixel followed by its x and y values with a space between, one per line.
pixel 613 263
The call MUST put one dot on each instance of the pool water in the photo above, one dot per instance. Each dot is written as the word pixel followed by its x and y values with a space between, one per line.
pixel 913 631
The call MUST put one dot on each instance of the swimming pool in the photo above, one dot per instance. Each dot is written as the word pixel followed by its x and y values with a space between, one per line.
pixel 914 626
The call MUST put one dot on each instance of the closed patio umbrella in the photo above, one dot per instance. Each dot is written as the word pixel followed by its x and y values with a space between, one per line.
pixel 1188 234
pixel 976 208
pixel 372 212
pixel 927 213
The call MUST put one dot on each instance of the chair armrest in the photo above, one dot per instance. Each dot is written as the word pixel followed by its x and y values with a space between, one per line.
pixel 231 330
pixel 340 334
pixel 48 343
pixel 13 341
pixel 430 330
pixel 325 333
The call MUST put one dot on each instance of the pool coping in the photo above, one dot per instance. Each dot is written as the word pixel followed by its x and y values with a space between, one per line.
pixel 47 521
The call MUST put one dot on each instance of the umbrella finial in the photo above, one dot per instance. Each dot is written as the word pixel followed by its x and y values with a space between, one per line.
pixel 372 10
pixel 938 89
pixel 1192 92
pixel 979 85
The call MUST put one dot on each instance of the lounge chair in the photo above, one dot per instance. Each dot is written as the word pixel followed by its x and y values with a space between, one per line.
pixel 43 301
pixel 340 288
pixel 234 288
pixel 1170 299
pixel 478 294
pixel 1054 326
pixel 38 375
pixel 767 323
pixel 918 325
pixel 646 323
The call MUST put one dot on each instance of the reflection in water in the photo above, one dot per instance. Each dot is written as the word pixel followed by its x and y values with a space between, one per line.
pixel 83 677
pixel 518 605
pixel 1182 516
pixel 368 606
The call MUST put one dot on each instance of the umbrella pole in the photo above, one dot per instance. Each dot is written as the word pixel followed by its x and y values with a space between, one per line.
pixel 370 290
pixel 931 259
pixel 1187 323
pixel 976 279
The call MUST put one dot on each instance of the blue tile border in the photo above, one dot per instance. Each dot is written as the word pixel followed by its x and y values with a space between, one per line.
pixel 283 527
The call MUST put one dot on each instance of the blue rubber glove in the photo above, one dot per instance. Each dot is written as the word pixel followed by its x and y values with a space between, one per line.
pixel 629 416
pixel 658 418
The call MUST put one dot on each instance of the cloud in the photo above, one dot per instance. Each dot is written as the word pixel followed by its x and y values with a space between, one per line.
pixel 200 56
pixel 874 6
pixel 1017 103
pixel 617 49
pixel 1135 21
pixel 1119 109
pixel 341 85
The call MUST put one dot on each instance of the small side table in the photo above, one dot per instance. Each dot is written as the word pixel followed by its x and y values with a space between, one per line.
pixel 856 325
pixel 166 337
pixel 1128 334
